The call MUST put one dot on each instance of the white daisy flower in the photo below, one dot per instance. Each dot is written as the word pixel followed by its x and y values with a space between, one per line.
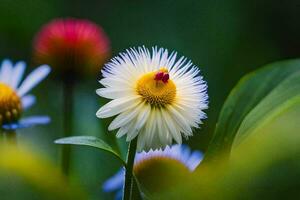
pixel 157 97
pixel 181 153
pixel 14 97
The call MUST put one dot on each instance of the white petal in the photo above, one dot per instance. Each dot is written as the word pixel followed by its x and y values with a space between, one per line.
pixel 18 72
pixel 173 129
pixel 185 153
pixel 181 121
pixel 194 160
pixel 146 132
pixel 162 130
pixel 112 93
pixel 132 133
pixel 143 116
pixel 33 79
pixel 150 130
pixel 141 140
pixel 117 106
pixel 124 129
pixel 6 71
pixel 28 101
pixel 140 122
pixel 124 118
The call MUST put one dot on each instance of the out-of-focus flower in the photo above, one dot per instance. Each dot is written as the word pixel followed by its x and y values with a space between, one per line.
pixel 14 97
pixel 157 98
pixel 71 46
pixel 181 155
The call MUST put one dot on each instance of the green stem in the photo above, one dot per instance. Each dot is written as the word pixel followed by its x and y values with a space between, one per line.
pixel 68 88
pixel 129 168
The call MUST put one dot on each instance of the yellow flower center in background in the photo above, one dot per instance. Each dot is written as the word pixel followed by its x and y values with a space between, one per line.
pixel 167 171
pixel 10 105
pixel 156 88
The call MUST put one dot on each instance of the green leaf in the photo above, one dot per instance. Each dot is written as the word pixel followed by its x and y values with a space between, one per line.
pixel 248 94
pixel 90 141
pixel 284 96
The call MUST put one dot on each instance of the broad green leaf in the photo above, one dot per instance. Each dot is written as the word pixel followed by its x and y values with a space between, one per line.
pixel 90 141
pixel 284 96
pixel 248 93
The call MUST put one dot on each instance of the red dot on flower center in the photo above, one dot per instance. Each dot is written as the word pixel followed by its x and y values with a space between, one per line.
pixel 159 76
pixel 162 76
pixel 165 78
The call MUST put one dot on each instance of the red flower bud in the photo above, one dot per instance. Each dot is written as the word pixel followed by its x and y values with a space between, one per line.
pixel 72 46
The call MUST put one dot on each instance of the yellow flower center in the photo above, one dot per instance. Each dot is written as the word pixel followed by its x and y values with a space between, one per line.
pixel 10 105
pixel 156 88
pixel 168 171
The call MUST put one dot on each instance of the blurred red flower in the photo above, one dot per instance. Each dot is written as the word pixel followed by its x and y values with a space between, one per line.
pixel 71 46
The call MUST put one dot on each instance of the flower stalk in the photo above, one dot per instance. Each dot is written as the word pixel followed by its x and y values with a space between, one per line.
pixel 128 187
pixel 68 88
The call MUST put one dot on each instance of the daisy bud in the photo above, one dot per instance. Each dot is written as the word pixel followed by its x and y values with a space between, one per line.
pixel 71 46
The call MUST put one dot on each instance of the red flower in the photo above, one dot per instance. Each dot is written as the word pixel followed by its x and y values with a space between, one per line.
pixel 72 46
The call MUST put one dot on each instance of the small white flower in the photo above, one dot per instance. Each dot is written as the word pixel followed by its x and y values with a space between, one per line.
pixel 181 153
pixel 14 97
pixel 157 98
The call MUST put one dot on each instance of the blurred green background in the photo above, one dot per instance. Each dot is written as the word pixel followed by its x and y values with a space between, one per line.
pixel 226 39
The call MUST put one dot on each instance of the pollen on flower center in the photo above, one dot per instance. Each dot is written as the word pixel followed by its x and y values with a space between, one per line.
pixel 10 105
pixel 156 88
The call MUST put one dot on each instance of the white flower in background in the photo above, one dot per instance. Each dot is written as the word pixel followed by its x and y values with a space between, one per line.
pixel 181 153
pixel 14 97
pixel 157 97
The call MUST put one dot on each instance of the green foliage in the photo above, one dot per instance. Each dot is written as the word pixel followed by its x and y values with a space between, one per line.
pixel 281 98
pixel 90 141
pixel 22 170
pixel 256 98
